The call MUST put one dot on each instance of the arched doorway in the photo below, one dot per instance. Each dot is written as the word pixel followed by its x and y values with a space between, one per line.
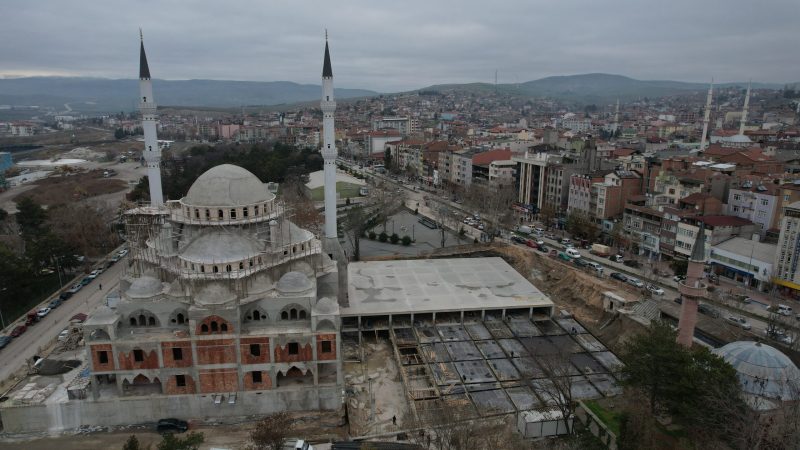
pixel 294 376
pixel 141 385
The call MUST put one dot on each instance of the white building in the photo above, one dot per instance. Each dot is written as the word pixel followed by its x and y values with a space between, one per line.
pixel 744 260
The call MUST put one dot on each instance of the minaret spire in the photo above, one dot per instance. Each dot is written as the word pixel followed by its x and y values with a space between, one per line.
pixel 616 119
pixel 328 106
pixel 147 106
pixel 744 110
pixel 706 116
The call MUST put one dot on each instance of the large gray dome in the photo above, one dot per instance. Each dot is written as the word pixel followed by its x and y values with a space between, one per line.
pixel 227 185
pixel 294 282
pixel 762 370
pixel 145 287
pixel 221 247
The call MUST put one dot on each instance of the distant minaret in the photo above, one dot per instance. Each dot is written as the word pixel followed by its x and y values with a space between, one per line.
pixel 744 111
pixel 706 117
pixel 616 118
pixel 328 106
pixel 147 106
pixel 692 289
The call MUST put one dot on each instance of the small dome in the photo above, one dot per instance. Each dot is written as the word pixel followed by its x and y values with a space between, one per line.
pixel 739 139
pixel 227 185
pixel 762 370
pixel 326 306
pixel 294 282
pixel 221 247
pixel 144 287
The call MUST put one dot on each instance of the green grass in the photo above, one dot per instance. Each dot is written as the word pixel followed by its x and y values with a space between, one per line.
pixel 610 418
pixel 345 190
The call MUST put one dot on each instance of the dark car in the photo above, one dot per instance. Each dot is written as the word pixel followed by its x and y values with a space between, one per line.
pixel 172 425
pixel 518 240
pixel 85 281
pixel 65 295
pixel 55 303
pixel 619 276
pixel 580 262
pixel 543 248
pixel 16 332
pixel 4 340
pixel 678 300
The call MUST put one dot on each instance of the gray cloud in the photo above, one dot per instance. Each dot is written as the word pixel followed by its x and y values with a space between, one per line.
pixel 389 46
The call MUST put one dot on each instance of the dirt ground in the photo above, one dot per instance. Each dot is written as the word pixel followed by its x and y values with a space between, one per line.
pixel 314 426
pixel 70 188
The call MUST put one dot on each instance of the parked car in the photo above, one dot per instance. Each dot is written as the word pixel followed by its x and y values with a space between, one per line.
pixel 655 290
pixel 573 253
pixel 566 241
pixel 678 300
pixel 518 239
pixel 635 282
pixel 4 340
pixel 543 249
pixel 94 273
pixel 74 289
pixel 54 303
pixel 678 278
pixel 739 322
pixel 616 258
pixel 530 243
pixel 618 276
pixel 172 425
pixel 43 312
pixel 708 310
pixel 78 318
pixel 64 296
pixel 597 267
pixel 18 330
pixel 31 318
pixel 85 281
pixel 580 262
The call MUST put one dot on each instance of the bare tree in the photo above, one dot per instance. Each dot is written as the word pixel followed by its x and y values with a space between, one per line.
pixel 86 226
pixel 494 205
pixel 556 388
pixel 272 432
pixel 304 211
pixel 377 208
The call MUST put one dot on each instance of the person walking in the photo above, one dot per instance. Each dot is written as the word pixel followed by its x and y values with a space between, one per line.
pixel 100 287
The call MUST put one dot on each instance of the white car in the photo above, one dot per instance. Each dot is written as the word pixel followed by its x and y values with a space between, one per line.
pixel 739 322
pixel 94 274
pixel 123 252
pixel 636 282
pixel 43 312
pixel 655 289
pixel 573 253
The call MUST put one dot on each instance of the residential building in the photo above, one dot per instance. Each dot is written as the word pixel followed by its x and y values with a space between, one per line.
pixel 787 257
pixel 744 260
pixel 717 229
pixel 756 202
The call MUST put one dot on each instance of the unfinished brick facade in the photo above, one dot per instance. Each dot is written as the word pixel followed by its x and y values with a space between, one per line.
pixel 176 354
pixel 219 380
pixel 286 354
pixel 102 357
pixel 326 347
pixel 254 350
pixel 172 384
pixel 252 385
pixel 138 359
pixel 216 351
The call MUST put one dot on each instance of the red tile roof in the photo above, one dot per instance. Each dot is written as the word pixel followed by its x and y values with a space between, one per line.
pixel 723 221
pixel 485 158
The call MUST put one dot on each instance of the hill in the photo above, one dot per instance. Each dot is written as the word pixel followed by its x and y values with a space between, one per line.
pixel 107 95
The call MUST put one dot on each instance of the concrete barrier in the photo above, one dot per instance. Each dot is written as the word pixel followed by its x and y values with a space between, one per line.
pixel 596 426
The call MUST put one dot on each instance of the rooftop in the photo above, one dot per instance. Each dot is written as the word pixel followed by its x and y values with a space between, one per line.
pixel 741 246
pixel 438 285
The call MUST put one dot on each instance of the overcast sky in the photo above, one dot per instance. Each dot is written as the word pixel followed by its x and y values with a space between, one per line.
pixel 403 44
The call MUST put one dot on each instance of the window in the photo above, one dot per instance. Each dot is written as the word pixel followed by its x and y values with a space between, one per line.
pixel 151 321
pixel 284 315
pixel 233 213
pixel 256 376
pixel 326 346
pixel 102 357
pixel 294 348
pixel 737 196
pixel 202 269
pixel 216 269
pixel 133 321
pixel 180 380
pixel 223 328
pixel 764 202
pixel 228 268
pixel 138 355
pixel 208 213
pixel 180 318
pixel 735 209
pixel 219 214
pixel 177 353
pixel 214 327
pixel 245 211
pixel 255 350
pixel 255 210
pixel 204 328
pixel 196 213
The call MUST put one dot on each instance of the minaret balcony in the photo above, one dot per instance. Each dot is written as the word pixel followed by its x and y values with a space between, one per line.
pixel 147 108
pixel 327 106
pixel 691 290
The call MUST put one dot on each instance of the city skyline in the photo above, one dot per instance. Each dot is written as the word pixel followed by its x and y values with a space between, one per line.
pixel 389 48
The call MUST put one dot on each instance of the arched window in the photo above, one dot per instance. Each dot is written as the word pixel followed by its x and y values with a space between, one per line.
pixel 284 315
pixel 233 213
pixel 301 315
pixel 202 269
pixel 133 321
pixel 204 328
pixel 214 327
pixel 228 268
pixel 219 214
pixel 293 314
pixel 223 328
pixel 151 321
pixel 241 265
pixel 179 318
pixel 208 213
pixel 216 269
pixel 255 210
pixel 196 213
pixel 251 263
pixel 259 260
pixel 256 315
pixel 142 320
pixel 245 211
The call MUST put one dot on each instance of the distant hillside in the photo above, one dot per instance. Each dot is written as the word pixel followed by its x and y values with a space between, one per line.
pixel 106 95
pixel 593 87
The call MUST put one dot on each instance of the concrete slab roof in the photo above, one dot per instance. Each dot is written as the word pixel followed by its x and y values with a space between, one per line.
pixel 438 285
pixel 317 179
pixel 748 248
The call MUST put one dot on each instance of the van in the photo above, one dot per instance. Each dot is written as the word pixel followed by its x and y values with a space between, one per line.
pixel 574 253
pixel 784 310
pixel 597 267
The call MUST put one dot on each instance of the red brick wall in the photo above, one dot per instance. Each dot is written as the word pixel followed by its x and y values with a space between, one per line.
pixel 166 353
pixel 216 351
pixel 266 382
pixel 219 380
pixel 244 347
pixel 96 358
pixel 282 354
pixel 326 356
pixel 171 386
pixel 127 362
pixel 207 322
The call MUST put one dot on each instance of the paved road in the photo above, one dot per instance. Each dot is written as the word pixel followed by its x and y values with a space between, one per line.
pixel 45 331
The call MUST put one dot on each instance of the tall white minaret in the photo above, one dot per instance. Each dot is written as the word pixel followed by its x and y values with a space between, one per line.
pixel 147 106
pixel 328 106
pixel 616 118
pixel 744 111
pixel 706 117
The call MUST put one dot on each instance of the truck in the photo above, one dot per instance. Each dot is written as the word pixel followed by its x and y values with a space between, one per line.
pixel 522 229
pixel 600 250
